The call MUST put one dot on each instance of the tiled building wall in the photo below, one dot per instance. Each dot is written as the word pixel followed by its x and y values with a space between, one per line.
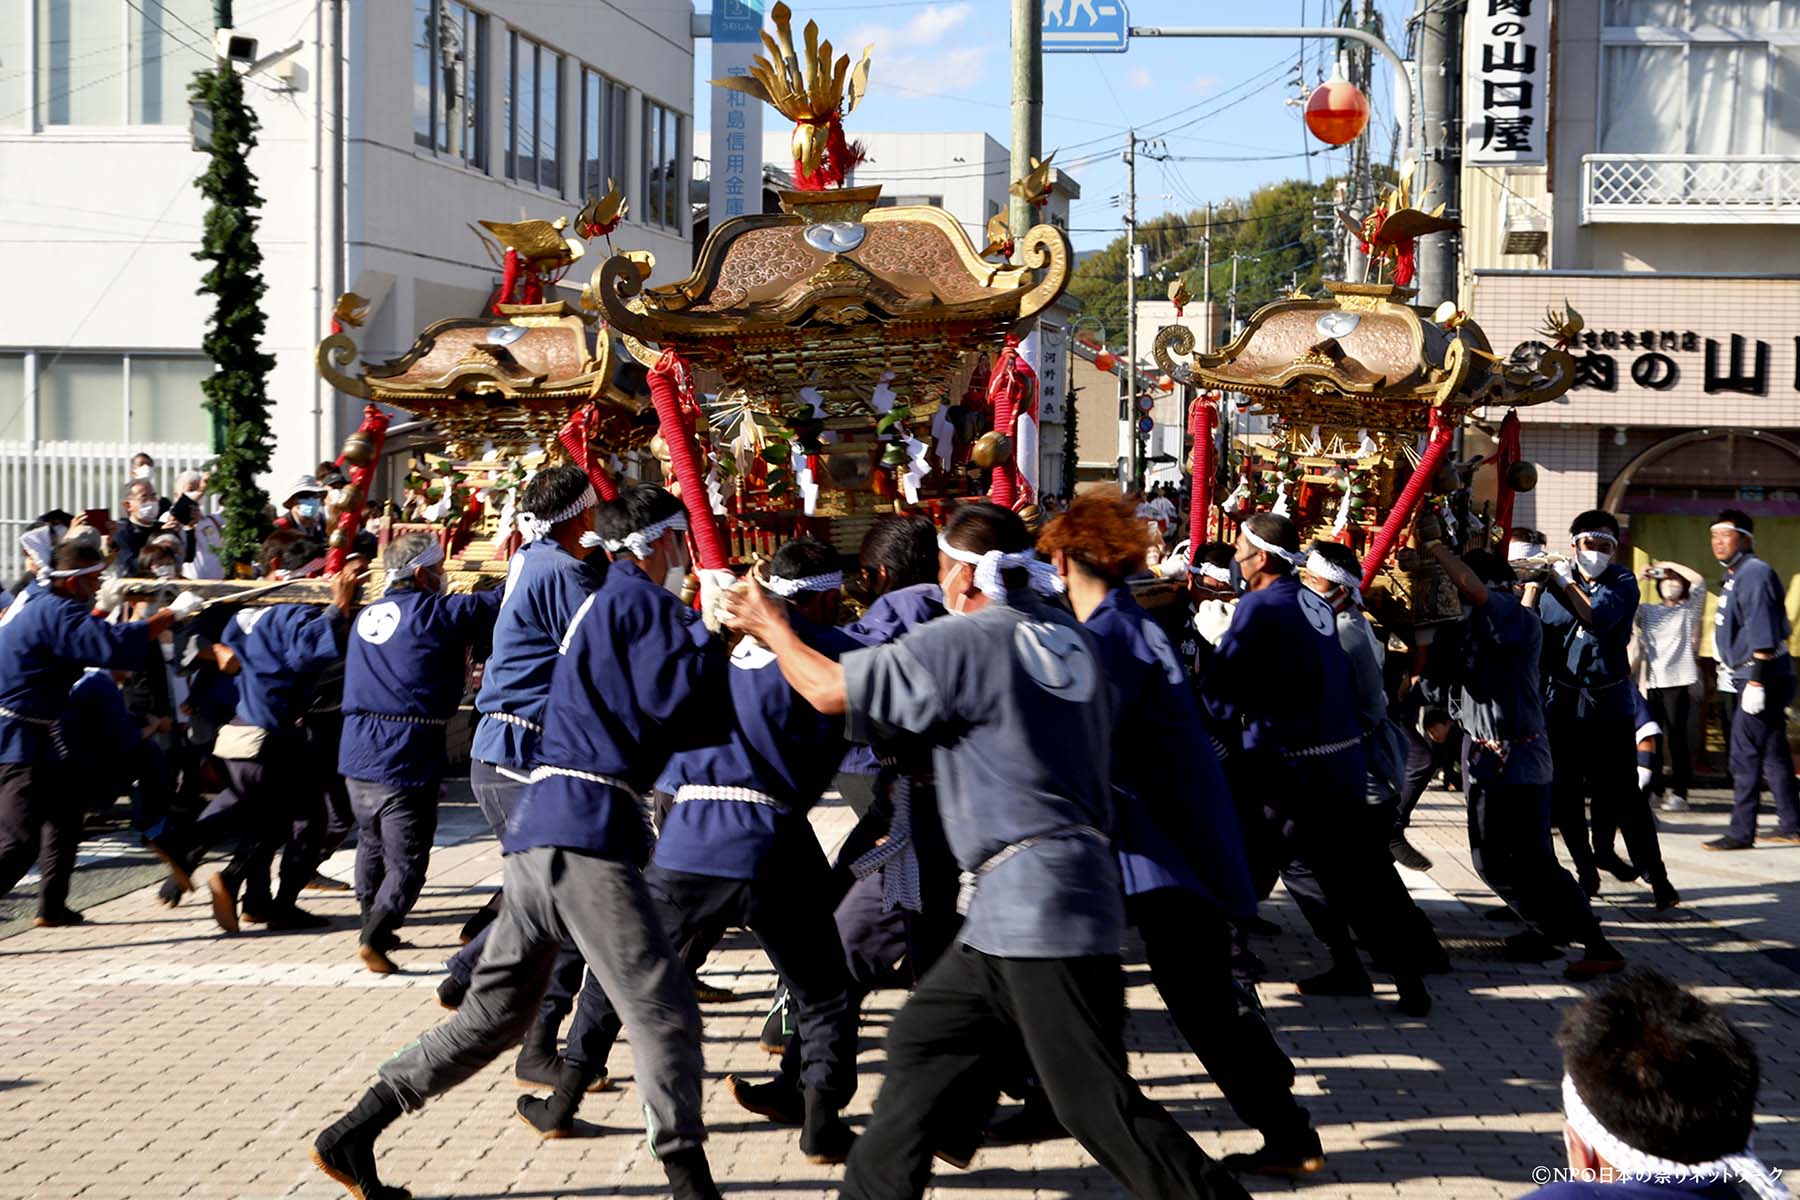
pixel 1567 459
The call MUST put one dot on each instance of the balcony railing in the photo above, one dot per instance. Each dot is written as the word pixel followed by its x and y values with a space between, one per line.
pixel 1685 189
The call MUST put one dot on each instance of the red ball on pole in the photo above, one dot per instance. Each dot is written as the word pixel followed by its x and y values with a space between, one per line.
pixel 1105 361
pixel 1337 112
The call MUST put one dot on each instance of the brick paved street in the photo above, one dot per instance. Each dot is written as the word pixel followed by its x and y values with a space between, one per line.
pixel 145 1055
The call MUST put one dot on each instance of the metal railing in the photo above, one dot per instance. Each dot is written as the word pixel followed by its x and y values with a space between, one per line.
pixel 1690 189
pixel 74 476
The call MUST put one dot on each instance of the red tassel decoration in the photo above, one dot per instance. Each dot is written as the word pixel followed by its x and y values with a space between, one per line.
pixel 671 390
pixel 1012 393
pixel 577 438
pixel 1442 431
pixel 1505 458
pixel 374 424
pixel 1201 420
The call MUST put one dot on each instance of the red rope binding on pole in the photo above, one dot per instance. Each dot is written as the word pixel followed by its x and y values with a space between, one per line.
pixel 670 390
pixel 1012 392
pixel 1201 420
pixel 577 437
pixel 349 522
pixel 1505 458
pixel 1442 431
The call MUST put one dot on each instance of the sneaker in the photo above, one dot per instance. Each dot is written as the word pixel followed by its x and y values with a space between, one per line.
pixel 706 993
pixel 1665 895
pixel 1783 837
pixel 1600 958
pixel 180 869
pixel 1726 843
pixel 1407 855
pixel 535 1074
pixel 324 883
pixel 775 1101
pixel 1339 981
pixel 1303 1157
pixel 825 1140
pixel 1615 866
pixel 1530 946
pixel 60 918
pixel 1674 804
pixel 450 992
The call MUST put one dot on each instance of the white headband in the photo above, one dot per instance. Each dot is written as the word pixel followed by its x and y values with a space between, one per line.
pixel 1730 528
pixel 1221 574
pixel 1626 1160
pixel 430 556
pixel 789 588
pixel 1598 534
pixel 76 572
pixel 534 528
pixel 1291 556
pixel 988 567
pixel 37 544
pixel 1330 572
pixel 640 542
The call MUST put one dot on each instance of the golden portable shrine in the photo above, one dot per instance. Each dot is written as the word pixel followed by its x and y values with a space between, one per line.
pixel 821 365
pixel 1354 382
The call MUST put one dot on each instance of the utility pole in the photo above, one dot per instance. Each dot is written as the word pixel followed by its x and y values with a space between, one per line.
pixel 1206 286
pixel 1027 102
pixel 1439 46
pixel 1131 390
pixel 1362 184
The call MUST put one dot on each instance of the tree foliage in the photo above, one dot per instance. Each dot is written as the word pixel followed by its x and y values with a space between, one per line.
pixel 237 391
pixel 1277 225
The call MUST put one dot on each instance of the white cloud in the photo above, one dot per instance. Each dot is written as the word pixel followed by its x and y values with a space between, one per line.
pixel 1204 85
pixel 930 54
pixel 1138 78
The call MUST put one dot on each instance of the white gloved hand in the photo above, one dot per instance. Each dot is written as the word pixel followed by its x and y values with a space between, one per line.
pixel 111 595
pixel 1564 574
pixel 1212 619
pixel 713 584
pixel 1754 698
pixel 1173 567
pixel 186 605
pixel 1644 776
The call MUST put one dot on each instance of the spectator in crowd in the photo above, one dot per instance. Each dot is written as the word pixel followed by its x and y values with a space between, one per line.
pixel 304 508
pixel 142 466
pixel 1659 1098
pixel 142 520
pixel 1667 646
pixel 201 532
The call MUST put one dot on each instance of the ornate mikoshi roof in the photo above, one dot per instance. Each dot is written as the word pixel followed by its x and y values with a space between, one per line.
pixel 833 293
pixel 511 379
pixel 1364 358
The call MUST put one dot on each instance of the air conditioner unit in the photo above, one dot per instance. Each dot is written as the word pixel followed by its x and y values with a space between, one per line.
pixel 1524 227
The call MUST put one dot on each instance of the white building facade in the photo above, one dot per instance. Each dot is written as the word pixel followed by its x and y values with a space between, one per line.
pixel 386 129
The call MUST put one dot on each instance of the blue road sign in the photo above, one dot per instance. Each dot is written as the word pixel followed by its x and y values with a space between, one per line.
pixel 1085 26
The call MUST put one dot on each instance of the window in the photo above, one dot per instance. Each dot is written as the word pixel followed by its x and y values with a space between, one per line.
pixel 147 399
pixel 663 179
pixel 1709 78
pixel 449 72
pixel 911 202
pixel 533 101
pixel 602 133
pixel 101 62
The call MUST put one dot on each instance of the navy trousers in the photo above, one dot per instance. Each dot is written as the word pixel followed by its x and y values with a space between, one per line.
pixel 1595 758
pixel 395 824
pixel 39 821
pixel 1760 755
pixel 1509 838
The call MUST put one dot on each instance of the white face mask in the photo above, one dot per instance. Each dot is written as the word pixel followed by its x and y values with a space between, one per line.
pixel 676 576
pixel 165 571
pixel 146 510
pixel 1518 550
pixel 1592 562
pixel 194 494
pixel 140 472
pixel 954 607
pixel 1670 590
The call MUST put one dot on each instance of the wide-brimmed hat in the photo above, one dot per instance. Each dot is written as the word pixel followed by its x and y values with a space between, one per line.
pixel 306 485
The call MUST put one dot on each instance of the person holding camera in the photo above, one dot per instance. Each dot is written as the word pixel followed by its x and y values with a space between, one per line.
pixel 1667 648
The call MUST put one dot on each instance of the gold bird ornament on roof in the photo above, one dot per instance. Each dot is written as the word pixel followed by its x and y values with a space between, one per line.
pixel 1178 294
pixel 540 243
pixel 602 214
pixel 1387 234
pixel 1035 188
pixel 999 238
pixel 1562 327
pixel 814 93
pixel 350 309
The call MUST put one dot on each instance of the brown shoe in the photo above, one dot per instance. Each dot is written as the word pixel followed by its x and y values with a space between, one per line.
pixel 224 901
pixel 375 960
pixel 1783 837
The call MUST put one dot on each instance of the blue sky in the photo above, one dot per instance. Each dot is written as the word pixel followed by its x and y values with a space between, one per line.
pixel 1216 104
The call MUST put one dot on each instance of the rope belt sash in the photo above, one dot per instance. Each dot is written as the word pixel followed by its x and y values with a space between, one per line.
pixel 9 714
pixel 1503 750
pixel 541 773
pixel 708 791
pixel 1328 748
pixel 972 879
pixel 507 718
pixel 404 718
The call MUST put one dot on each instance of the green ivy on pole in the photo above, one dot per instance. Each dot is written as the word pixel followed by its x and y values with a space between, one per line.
pixel 1070 459
pixel 237 391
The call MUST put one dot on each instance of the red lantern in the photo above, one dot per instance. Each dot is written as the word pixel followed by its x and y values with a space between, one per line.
pixel 1337 112
pixel 1105 360
pixel 1165 383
